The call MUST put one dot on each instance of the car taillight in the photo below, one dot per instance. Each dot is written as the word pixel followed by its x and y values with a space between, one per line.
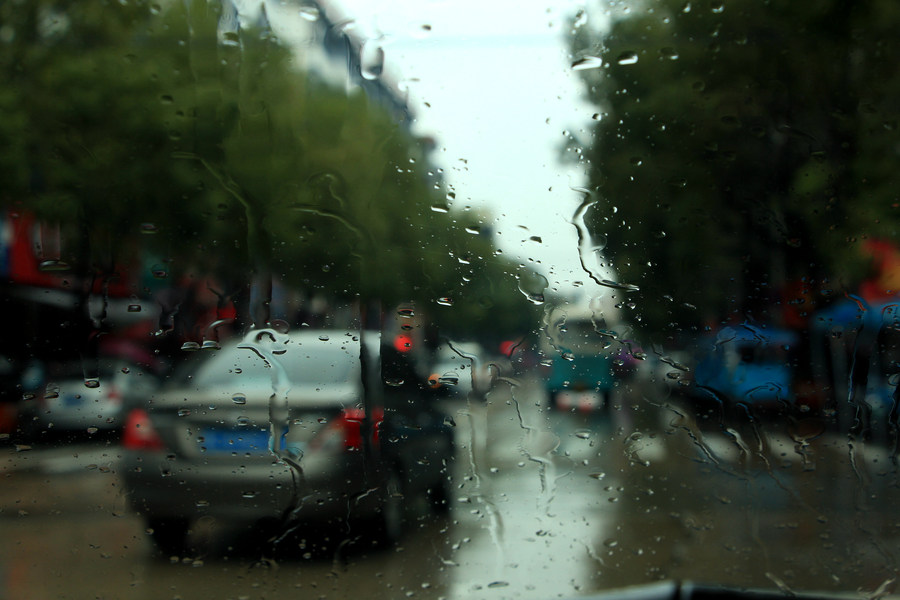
pixel 349 425
pixel 138 433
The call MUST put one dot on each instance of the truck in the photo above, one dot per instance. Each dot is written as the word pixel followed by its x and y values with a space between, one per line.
pixel 583 352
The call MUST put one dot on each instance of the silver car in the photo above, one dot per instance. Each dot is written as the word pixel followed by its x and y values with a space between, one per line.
pixel 284 428
pixel 67 401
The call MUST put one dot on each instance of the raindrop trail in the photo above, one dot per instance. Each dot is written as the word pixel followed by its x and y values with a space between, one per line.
pixel 495 526
pixel 545 465
pixel 584 247
pixel 474 369
pixel 592 552
pixel 587 62
pixel 739 442
pixel 279 412
pixel 693 433
pixel 760 443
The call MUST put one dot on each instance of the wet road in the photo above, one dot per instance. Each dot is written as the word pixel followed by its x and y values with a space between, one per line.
pixel 546 505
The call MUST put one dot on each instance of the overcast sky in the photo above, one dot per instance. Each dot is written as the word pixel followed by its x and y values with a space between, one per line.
pixel 491 81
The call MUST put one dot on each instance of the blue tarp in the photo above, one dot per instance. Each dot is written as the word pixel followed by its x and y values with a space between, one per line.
pixel 749 364
pixel 854 312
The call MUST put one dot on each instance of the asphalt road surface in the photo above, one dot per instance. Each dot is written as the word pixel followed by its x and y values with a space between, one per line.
pixel 546 505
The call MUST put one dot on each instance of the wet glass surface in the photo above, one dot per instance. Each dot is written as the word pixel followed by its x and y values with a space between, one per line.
pixel 444 300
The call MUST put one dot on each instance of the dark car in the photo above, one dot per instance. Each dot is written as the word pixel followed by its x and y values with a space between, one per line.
pixel 284 428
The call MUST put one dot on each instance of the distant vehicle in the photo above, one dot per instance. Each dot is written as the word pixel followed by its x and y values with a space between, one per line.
pixel 582 345
pixel 60 398
pixel 748 365
pixel 855 354
pixel 278 427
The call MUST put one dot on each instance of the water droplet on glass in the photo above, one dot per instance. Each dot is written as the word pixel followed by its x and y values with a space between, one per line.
pixel 92 430
pixel 202 503
pixel 210 345
pixel 532 286
pixel 371 60
pixel 239 399
pixel 440 208
pixel 669 53
pixel 628 287
pixel 449 378
pixel 448 420
pixel 134 308
pixel 231 38
pixel 310 13
pixel 583 434
pixel 159 272
pixel 627 58
pixel 249 494
pixel 393 382
pixel 406 312
pixel 190 346
pixel 242 421
pixel 718 7
pixel 323 338
pixel 184 412
pixel 51 392
pixel 54 266
pixel 581 19
pixel 149 228
pixel 444 301
pixel 92 382
pixel 587 62
pixel 344 26
pixel 473 229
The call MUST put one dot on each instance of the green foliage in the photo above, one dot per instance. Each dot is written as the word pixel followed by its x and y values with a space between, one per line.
pixel 750 145
pixel 125 118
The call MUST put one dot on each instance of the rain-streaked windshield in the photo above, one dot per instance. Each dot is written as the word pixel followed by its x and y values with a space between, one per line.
pixel 625 274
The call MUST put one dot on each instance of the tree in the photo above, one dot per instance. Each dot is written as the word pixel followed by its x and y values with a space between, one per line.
pixel 136 119
pixel 738 147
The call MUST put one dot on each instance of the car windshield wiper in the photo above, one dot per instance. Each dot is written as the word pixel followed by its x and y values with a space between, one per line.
pixel 686 590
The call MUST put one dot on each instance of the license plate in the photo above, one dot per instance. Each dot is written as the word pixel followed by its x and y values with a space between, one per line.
pixel 242 441
pixel 582 401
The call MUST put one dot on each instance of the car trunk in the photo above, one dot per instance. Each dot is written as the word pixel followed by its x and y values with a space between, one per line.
pixel 224 425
